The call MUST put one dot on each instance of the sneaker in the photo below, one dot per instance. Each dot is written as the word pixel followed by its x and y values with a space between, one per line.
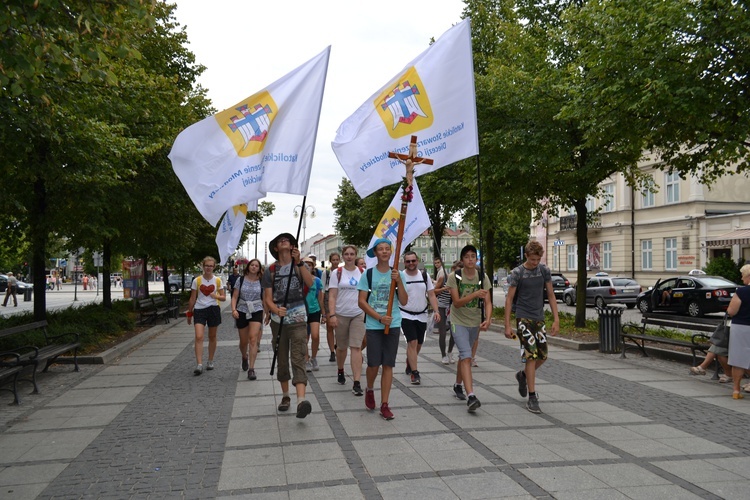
pixel 697 370
pixel 314 363
pixel 251 374
pixel 245 364
pixel 210 365
pixel 415 378
pixel 308 367
pixel 341 377
pixel 446 360
pixel 533 405
pixel 303 409
pixel 458 390
pixel 522 389
pixel 198 370
pixel 332 359
pixel 473 403
pixel 408 368
pixel 357 389
pixel 450 358
pixel 386 412
pixel 285 402
pixel 370 399
pixel 474 362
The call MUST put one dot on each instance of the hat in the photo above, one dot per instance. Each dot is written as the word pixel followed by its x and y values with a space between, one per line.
pixel 371 251
pixel 10 274
pixel 308 260
pixel 274 242
pixel 312 256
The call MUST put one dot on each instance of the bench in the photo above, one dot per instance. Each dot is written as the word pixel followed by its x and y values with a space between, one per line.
pixel 13 362
pixel 162 305
pixel 636 333
pixel 152 309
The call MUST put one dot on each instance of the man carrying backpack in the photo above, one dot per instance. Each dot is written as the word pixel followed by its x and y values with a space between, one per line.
pixel 525 298
pixel 420 289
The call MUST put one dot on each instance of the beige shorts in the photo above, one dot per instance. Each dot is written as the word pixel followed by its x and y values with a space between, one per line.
pixel 350 331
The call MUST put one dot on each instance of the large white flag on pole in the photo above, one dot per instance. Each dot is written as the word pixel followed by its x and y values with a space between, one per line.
pixel 432 98
pixel 230 230
pixel 263 144
pixel 417 221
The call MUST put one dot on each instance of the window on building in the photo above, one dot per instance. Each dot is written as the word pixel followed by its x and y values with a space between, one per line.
pixel 607 255
pixel 648 197
pixel 647 258
pixel 670 254
pixel 590 204
pixel 672 183
pixel 556 257
pixel 609 198
pixel 572 257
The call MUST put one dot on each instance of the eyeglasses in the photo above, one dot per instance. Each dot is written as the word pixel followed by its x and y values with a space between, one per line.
pixel 410 261
pixel 208 265
pixel 280 240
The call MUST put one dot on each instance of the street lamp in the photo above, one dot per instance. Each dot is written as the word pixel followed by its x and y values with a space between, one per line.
pixel 309 212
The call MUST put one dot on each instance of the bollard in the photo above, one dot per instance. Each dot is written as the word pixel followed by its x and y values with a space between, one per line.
pixel 610 325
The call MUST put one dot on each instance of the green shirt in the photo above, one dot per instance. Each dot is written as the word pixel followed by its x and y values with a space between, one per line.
pixel 470 314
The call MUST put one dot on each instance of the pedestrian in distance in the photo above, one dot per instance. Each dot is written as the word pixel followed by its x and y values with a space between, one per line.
pixel 739 340
pixel 285 283
pixel 11 290
pixel 249 313
pixel 525 299
pixel 206 293
pixel 471 311
pixel 232 280
pixel 374 290
pixel 315 316
pixel 421 296
pixel 335 260
pixel 347 318
pixel 443 294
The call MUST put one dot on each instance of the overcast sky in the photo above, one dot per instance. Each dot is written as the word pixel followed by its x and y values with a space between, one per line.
pixel 247 45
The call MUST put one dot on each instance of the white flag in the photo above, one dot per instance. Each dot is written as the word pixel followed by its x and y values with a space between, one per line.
pixel 431 98
pixel 263 144
pixel 417 221
pixel 230 229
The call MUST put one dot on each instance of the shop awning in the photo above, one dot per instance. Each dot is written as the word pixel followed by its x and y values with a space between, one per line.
pixel 737 237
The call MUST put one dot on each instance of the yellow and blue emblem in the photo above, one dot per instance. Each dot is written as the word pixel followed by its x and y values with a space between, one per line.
pixel 247 123
pixel 405 107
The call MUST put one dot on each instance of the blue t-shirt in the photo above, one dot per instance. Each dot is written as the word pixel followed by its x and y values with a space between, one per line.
pixel 311 300
pixel 381 288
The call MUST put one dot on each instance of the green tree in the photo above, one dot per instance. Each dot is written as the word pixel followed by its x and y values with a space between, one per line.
pixel 356 218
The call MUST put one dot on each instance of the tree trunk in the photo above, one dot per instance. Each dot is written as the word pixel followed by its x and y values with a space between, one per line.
pixel 39 238
pixel 106 273
pixel 582 238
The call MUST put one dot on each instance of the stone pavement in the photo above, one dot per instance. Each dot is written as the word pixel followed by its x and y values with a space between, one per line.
pixel 145 427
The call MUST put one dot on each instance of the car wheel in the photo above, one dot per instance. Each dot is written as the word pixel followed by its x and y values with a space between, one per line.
pixel 173 288
pixel 644 305
pixel 694 309
pixel 630 306
pixel 599 302
pixel 569 300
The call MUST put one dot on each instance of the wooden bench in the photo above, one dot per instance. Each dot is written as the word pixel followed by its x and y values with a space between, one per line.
pixel 637 333
pixel 162 308
pixel 31 356
pixel 150 310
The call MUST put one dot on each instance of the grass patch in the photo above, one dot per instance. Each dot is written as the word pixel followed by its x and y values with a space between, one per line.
pixel 567 321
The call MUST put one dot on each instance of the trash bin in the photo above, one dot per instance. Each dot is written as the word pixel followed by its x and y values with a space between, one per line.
pixel 27 294
pixel 174 304
pixel 610 325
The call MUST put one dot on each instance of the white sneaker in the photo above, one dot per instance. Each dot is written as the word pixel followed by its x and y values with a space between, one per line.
pixel 446 360
pixel 308 367
pixel 450 358
pixel 314 364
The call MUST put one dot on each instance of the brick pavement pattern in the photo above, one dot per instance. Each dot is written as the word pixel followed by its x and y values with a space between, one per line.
pixel 145 427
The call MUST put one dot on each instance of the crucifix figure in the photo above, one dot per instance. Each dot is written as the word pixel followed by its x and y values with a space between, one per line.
pixel 408 186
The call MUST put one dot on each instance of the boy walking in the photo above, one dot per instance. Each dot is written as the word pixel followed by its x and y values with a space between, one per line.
pixel 525 298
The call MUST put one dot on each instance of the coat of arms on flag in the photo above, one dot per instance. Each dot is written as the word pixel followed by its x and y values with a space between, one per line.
pixel 247 122
pixel 405 107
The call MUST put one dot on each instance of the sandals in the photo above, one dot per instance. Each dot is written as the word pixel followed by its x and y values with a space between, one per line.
pixel 746 388
pixel 697 370
pixel 737 395
pixel 723 379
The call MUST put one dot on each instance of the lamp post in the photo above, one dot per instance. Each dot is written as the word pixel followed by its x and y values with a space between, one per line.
pixel 309 212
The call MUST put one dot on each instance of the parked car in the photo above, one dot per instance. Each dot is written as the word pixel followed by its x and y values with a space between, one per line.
pixel 602 290
pixel 559 284
pixel 695 295
pixel 175 282
pixel 20 287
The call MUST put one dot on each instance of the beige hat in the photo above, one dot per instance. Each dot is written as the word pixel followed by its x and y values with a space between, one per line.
pixel 10 273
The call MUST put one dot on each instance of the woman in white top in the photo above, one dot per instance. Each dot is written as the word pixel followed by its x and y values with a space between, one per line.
pixel 346 317
pixel 248 313
pixel 207 292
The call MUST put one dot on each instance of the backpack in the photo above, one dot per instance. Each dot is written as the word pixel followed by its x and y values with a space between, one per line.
pixel 305 288
pixel 338 274
pixel 218 284
pixel 423 280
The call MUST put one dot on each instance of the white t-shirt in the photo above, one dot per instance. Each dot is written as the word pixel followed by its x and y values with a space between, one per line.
pixel 347 296
pixel 203 294
pixel 415 289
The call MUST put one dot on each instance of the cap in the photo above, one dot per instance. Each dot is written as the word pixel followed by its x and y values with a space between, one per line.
pixel 371 250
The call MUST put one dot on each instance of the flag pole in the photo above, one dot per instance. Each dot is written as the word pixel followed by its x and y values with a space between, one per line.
pixel 406 196
pixel 481 252
pixel 286 294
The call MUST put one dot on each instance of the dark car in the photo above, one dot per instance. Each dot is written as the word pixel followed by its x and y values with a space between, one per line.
pixel 695 295
pixel 175 282
pixel 20 286
pixel 559 284
pixel 602 290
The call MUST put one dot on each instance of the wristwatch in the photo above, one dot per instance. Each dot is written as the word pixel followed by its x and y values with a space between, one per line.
pixel 300 264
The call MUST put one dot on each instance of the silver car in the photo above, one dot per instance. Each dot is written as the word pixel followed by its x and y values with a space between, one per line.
pixel 602 290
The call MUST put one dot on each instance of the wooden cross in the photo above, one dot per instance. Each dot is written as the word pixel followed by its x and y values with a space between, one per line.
pixel 409 160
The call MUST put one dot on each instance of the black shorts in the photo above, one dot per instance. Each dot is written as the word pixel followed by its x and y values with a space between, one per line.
pixel 244 322
pixel 413 330
pixel 313 318
pixel 209 315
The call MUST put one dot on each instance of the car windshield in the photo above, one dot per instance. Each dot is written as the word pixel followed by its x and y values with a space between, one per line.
pixel 716 282
pixel 624 282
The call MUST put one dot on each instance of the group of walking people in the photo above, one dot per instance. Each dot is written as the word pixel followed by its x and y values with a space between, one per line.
pixel 295 298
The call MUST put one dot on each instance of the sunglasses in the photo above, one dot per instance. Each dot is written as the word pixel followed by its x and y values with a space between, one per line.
pixel 410 261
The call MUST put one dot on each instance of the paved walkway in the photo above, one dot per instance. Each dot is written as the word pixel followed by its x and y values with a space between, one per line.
pixel 145 427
